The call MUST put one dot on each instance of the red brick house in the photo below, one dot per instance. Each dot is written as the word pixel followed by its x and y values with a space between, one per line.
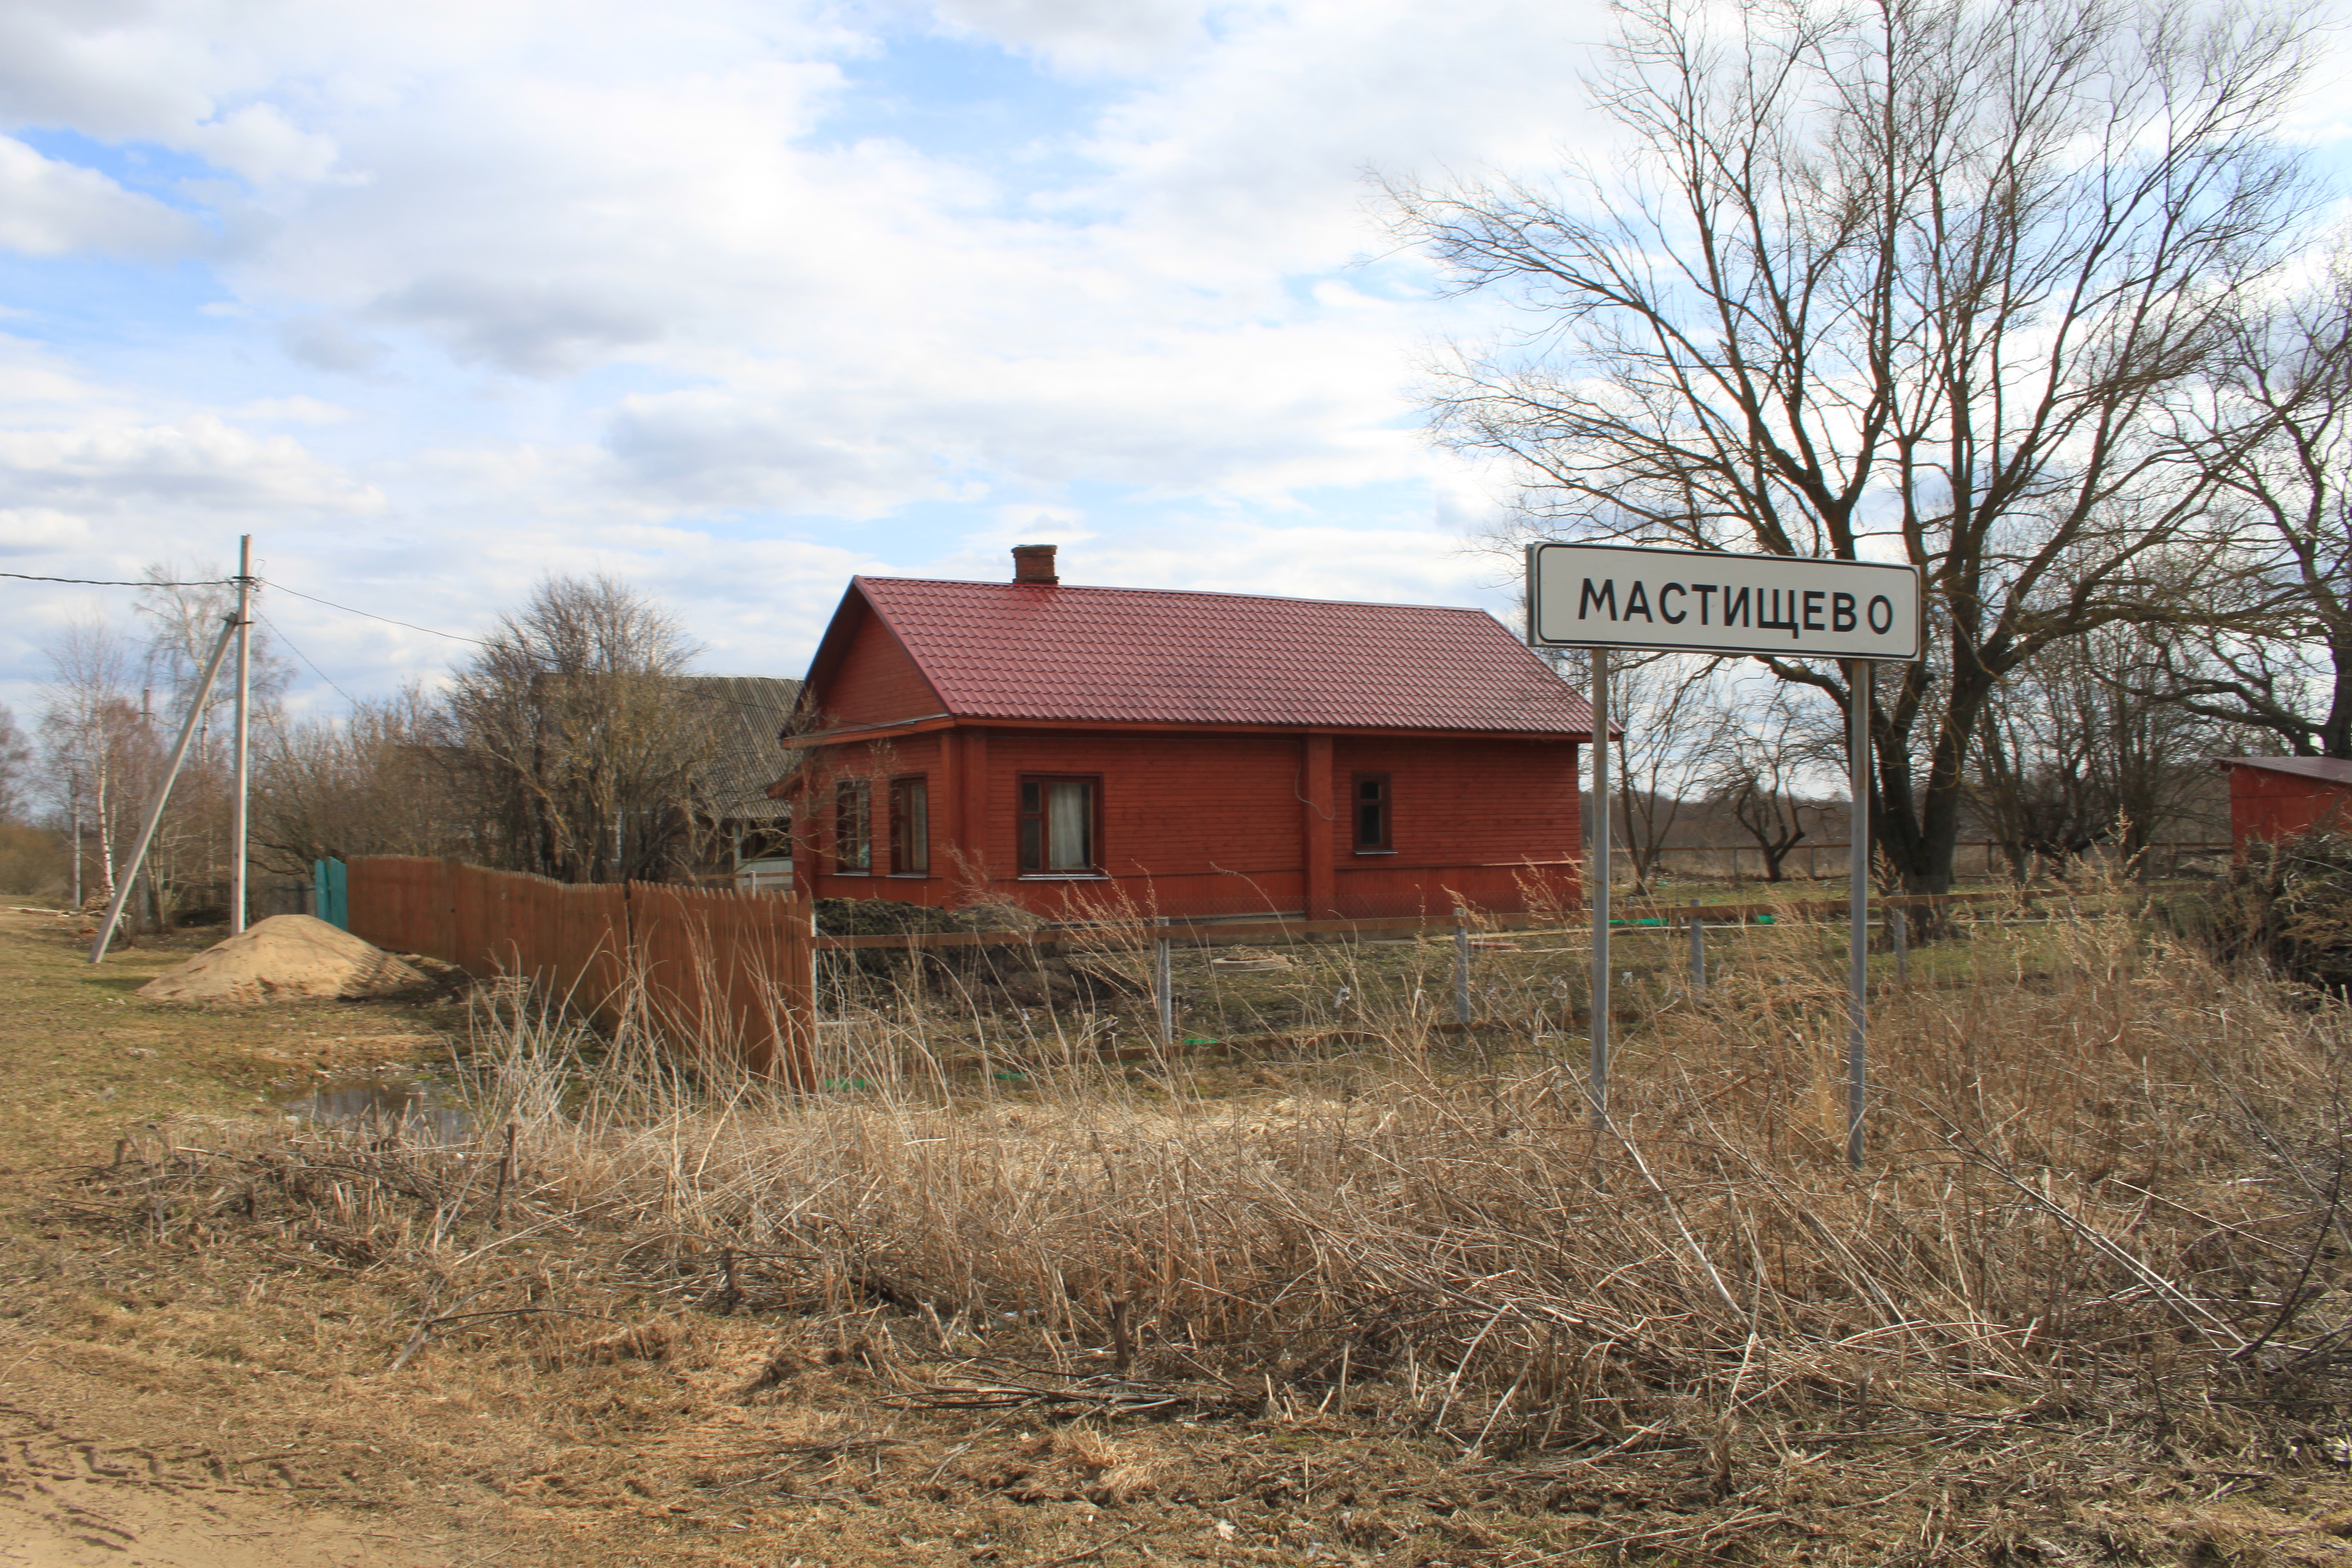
pixel 2278 798
pixel 1067 748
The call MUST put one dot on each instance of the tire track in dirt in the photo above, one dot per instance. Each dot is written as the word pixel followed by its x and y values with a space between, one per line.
pixel 71 1497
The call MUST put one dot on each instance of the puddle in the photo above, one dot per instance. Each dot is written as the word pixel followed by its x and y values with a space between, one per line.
pixel 424 1109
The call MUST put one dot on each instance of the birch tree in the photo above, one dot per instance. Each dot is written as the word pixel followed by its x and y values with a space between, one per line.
pixel 99 746
pixel 16 768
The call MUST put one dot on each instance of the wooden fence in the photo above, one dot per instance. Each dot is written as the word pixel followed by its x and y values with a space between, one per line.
pixel 710 968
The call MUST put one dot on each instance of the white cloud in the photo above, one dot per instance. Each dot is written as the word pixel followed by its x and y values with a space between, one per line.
pixel 114 68
pixel 324 342
pixel 260 144
pixel 37 384
pixel 1085 34
pixel 1318 560
pixel 53 208
pixel 295 410
pixel 33 530
pixel 530 326
pixel 202 463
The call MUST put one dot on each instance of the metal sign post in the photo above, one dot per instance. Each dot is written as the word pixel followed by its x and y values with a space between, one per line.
pixel 1613 596
pixel 1857 1055
pixel 1597 875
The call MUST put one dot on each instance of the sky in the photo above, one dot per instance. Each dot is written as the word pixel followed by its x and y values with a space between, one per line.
pixel 734 301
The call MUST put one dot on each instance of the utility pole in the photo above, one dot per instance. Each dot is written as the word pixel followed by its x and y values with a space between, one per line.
pixel 237 852
pixel 121 892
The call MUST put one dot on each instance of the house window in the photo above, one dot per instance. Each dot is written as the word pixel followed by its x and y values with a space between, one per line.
pixel 765 841
pixel 1372 808
pixel 852 827
pixel 910 827
pixel 1057 826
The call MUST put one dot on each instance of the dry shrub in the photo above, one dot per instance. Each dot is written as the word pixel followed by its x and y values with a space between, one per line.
pixel 2287 905
pixel 2104 1187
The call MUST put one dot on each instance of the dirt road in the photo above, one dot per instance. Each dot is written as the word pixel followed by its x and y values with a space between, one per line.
pixel 134 1428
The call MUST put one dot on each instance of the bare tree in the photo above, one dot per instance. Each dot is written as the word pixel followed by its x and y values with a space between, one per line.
pixel 385 779
pixel 2074 755
pixel 16 768
pixel 587 745
pixel 1761 754
pixel 2271 648
pixel 1662 706
pixel 1922 278
pixel 99 749
pixel 182 609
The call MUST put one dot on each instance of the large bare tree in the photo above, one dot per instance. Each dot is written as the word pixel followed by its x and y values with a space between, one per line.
pixel 588 747
pixel 1928 280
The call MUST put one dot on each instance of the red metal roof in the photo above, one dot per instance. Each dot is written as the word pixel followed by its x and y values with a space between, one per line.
pixel 2330 768
pixel 1031 650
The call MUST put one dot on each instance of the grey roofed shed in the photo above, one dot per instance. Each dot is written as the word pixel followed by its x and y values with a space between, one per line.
pixel 753 710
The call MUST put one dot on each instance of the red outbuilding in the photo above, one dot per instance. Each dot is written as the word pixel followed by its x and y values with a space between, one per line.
pixel 1071 749
pixel 2277 798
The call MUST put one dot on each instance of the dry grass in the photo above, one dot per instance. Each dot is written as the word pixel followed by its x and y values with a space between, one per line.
pixel 2103 1202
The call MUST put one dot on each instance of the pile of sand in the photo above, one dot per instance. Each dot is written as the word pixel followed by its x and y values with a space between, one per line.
pixel 280 959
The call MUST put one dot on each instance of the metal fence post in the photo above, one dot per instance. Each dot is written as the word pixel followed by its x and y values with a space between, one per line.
pixel 1461 969
pixel 1698 954
pixel 1899 929
pixel 1165 984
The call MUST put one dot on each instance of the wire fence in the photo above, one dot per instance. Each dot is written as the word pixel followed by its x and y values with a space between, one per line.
pixel 1135 990
pixel 749 974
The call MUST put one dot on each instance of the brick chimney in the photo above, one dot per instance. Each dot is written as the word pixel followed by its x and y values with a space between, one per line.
pixel 1034 564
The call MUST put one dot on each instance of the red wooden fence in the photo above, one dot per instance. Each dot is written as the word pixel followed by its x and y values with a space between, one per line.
pixel 710 969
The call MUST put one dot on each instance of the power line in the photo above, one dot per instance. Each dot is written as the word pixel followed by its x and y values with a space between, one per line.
pixel 110 583
pixel 387 620
pixel 305 657
pixel 762 709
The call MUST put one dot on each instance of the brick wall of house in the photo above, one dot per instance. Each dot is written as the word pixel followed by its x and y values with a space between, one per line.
pixel 1470 817
pixel 877 682
pixel 1189 823
pixel 1215 825
pixel 815 865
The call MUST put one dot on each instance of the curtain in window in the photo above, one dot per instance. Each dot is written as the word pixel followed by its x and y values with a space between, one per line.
pixel 1069 811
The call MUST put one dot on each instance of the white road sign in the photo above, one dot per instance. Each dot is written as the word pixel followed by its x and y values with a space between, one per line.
pixel 1615 595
